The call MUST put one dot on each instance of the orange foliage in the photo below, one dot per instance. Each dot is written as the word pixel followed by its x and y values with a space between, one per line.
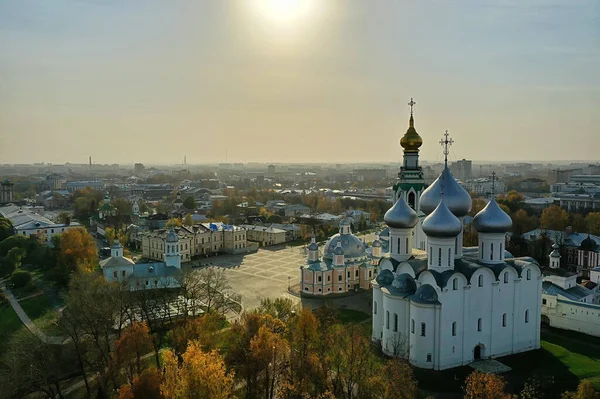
pixel 78 250
pixel 480 385
pixel 135 341
pixel 145 386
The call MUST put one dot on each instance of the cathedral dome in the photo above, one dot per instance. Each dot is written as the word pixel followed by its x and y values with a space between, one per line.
pixel 401 216
pixel 411 141
pixel 338 250
pixel 588 244
pixel 457 198
pixel 555 253
pixel 376 244
pixel 441 222
pixel 346 221
pixel 385 277
pixel 352 246
pixel 313 246
pixel 425 294
pixel 172 236
pixel 404 283
pixel 492 219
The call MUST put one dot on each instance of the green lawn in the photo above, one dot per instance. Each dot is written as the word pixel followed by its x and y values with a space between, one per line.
pixel 9 324
pixel 42 314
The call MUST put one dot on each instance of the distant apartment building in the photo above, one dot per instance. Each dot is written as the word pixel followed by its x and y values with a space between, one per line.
pixel 139 169
pixel 563 175
pixel 72 186
pixel 463 169
pixel 7 192
pixel 369 174
pixel 483 186
pixel 265 235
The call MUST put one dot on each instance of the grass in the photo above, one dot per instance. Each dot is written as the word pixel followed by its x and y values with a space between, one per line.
pixel 42 314
pixel 9 324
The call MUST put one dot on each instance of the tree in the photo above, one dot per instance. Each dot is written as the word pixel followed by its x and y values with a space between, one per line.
pixel 211 288
pixel 145 386
pixel 585 390
pixel 470 236
pixel 538 387
pixel 6 228
pixel 522 222
pixel 135 341
pixel 554 218
pixel 174 222
pixel 477 205
pixel 30 365
pixel 64 217
pixel 190 203
pixel 274 219
pixel 592 222
pixel 188 220
pixel 20 278
pixel 203 330
pixel 399 380
pixel 280 308
pixel 480 385
pixel 77 251
pixel 200 375
pixel 578 222
pixel 12 261
pixel 270 351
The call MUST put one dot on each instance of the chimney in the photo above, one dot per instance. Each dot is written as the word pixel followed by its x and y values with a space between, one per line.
pixel 569 229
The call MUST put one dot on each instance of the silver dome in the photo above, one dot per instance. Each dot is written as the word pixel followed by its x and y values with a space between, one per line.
pixel 385 277
pixel 456 197
pixel 313 246
pixel 555 253
pixel 492 219
pixel 346 221
pixel 441 222
pixel 404 283
pixel 353 247
pixel 172 236
pixel 376 244
pixel 401 216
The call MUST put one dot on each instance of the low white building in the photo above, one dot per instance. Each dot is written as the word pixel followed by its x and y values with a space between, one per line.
pixel 26 221
pixel 566 304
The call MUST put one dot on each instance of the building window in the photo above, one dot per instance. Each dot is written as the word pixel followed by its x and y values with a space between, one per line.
pixel 407 249
pixel 328 278
pixel 492 251
pixel 387 319
pixel 527 316
pixel 395 322
pixel 374 307
pixel 340 277
pixel 481 250
pixel 500 254
pixel 430 255
pixel 412 326
pixel 348 275
pixel 504 320
pixel 543 301
pixel 479 324
pixel 115 274
pixel 505 277
pixel 480 281
pixel 454 329
pixel 399 245
pixel 455 284
pixel 319 279
pixel 429 357
pixel 423 329
pixel 529 274
pixel 123 273
pixel 356 273
pixel 449 256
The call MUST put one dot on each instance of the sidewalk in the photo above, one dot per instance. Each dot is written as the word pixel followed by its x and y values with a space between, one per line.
pixel 26 320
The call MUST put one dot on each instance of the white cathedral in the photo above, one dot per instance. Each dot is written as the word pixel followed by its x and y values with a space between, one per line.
pixel 445 306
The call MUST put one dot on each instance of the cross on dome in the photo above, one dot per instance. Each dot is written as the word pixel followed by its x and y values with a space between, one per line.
pixel 446 142
pixel 411 103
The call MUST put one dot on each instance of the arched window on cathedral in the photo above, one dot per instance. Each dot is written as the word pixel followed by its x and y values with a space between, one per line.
pixel 505 277
pixel 500 253
pixel 407 250
pixel 454 329
pixel 439 256
pixel 430 256
pixel 374 307
pixel 480 281
pixel 503 319
pixel 456 246
pixel 387 319
pixel 399 245
pixel 455 284
pixel 527 316
pixel 479 324
pixel 411 199
pixel 481 250
pixel 529 274
pixel 449 256
pixel 492 251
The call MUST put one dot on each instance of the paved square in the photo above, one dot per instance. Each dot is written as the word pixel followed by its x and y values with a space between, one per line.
pixel 263 274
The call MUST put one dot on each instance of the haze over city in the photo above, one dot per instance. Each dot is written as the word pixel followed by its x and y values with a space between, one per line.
pixel 301 81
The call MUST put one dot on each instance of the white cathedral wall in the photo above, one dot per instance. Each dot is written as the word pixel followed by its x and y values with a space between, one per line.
pixel 504 300
pixel 377 317
pixel 395 342
pixel 420 239
pixel 528 298
pixel 478 304
pixel 422 346
pixel 452 311
pixel 570 315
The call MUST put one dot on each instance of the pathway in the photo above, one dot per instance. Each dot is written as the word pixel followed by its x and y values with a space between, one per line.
pixel 26 320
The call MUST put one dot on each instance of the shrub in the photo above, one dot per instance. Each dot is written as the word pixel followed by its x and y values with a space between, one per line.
pixel 20 278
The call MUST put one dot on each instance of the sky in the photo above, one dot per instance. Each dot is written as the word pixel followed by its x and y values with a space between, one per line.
pixel 297 80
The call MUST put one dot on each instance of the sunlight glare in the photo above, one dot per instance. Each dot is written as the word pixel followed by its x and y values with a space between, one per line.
pixel 284 11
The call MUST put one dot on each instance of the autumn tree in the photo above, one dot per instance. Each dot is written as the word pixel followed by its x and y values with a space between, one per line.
pixel 188 220
pixel 211 288
pixel 145 386
pixel 203 330
pixel 200 375
pixel 190 203
pixel 281 308
pixel 477 205
pixel 135 341
pixel 6 228
pixel 480 385
pixel 554 218
pixel 270 352
pixel 398 380
pixel 522 222
pixel 76 251
pixel 592 222
pixel 174 222
pixel 577 222
pixel 585 390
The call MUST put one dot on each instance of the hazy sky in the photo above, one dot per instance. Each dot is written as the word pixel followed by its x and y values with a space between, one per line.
pixel 297 80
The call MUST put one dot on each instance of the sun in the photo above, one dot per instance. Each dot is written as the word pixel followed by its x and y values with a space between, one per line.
pixel 284 11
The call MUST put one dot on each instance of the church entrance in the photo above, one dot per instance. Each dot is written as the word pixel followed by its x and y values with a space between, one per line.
pixel 477 352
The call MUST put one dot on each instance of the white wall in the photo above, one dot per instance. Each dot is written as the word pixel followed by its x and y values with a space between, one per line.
pixel 570 315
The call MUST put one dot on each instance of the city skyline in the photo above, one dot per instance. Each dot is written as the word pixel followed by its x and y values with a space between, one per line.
pixel 297 81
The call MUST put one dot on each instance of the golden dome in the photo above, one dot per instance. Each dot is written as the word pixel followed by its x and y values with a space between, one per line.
pixel 411 141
